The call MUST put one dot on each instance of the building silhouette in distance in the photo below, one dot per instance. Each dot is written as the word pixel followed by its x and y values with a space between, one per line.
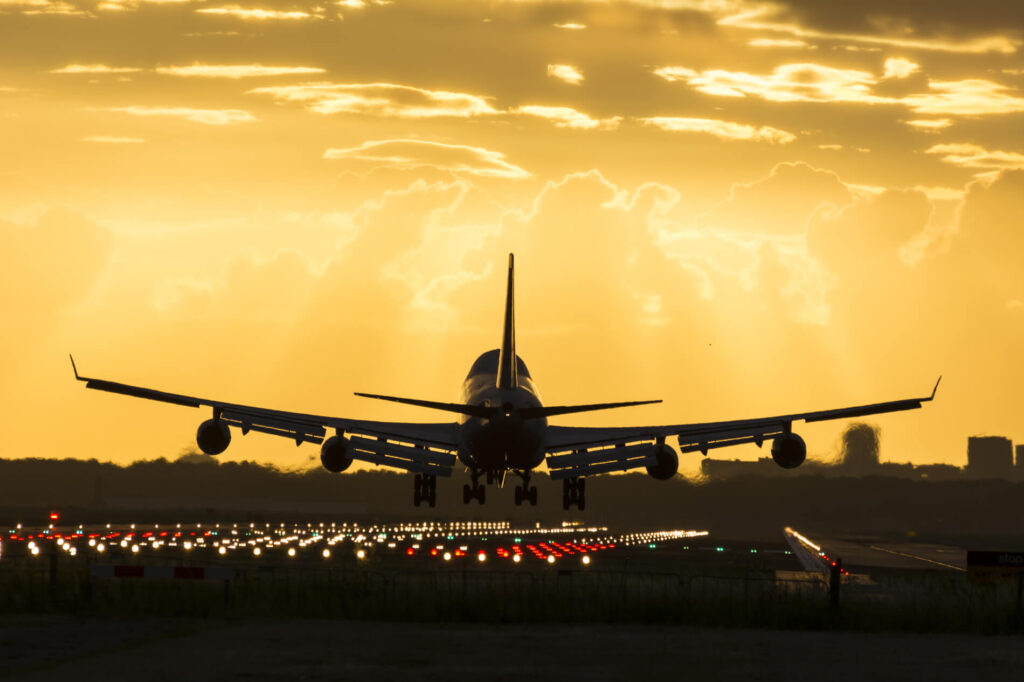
pixel 989 457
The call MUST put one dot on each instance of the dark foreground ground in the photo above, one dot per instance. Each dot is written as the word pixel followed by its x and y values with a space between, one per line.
pixel 152 649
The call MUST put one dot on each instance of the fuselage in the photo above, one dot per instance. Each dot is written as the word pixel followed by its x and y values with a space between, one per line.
pixel 505 441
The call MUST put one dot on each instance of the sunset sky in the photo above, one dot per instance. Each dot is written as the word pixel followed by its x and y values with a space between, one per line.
pixel 742 208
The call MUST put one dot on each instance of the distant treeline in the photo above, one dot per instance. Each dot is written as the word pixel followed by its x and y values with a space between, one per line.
pixel 200 489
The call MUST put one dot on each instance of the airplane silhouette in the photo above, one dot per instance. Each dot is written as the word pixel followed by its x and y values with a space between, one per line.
pixel 501 428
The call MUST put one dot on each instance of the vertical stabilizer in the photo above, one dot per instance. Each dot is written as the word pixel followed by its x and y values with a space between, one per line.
pixel 507 358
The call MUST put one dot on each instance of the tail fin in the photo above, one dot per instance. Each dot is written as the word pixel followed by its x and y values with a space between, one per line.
pixel 507 378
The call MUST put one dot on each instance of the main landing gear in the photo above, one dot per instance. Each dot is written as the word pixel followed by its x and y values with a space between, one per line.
pixel 526 491
pixel 425 489
pixel 478 491
pixel 574 491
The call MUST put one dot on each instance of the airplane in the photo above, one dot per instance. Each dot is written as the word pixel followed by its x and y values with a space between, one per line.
pixel 502 427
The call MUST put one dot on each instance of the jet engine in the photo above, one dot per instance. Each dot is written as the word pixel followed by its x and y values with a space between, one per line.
pixel 334 454
pixel 668 463
pixel 213 436
pixel 789 451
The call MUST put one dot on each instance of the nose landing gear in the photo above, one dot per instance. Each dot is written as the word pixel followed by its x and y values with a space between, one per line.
pixel 424 489
pixel 574 491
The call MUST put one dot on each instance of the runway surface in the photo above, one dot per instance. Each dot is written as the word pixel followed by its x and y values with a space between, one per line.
pixel 38 648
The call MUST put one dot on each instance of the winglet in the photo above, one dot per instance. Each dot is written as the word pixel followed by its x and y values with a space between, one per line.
pixel 73 368
pixel 935 389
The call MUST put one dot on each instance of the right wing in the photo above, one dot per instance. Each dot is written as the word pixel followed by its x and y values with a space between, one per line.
pixel 422 448
pixel 580 451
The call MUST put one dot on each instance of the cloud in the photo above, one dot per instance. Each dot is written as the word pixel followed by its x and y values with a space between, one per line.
pixel 44 280
pixel 765 17
pixel 805 82
pixel 95 69
pixel 456 158
pixel 975 156
pixel 40 7
pixel 570 26
pixel 781 42
pixel 567 117
pixel 779 203
pixel 379 99
pixel 256 14
pixel 207 116
pixel 113 140
pixel 971 97
pixel 235 70
pixel 566 73
pixel 930 125
pixel 808 82
pixel 722 129
pixel 897 67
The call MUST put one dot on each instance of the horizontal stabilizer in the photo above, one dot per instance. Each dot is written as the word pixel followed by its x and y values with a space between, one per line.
pixel 471 410
pixel 538 412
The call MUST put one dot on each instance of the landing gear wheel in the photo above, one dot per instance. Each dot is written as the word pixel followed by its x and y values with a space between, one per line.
pixel 476 491
pixel 574 491
pixel 424 490
pixel 526 492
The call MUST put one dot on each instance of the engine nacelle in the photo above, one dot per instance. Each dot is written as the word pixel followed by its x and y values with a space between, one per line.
pixel 668 463
pixel 789 451
pixel 213 436
pixel 334 454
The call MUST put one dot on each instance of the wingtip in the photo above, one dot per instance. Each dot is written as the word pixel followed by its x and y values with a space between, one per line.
pixel 936 387
pixel 511 260
pixel 73 368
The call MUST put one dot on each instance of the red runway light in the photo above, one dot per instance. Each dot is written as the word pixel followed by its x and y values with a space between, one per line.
pixel 54 516
pixel 410 551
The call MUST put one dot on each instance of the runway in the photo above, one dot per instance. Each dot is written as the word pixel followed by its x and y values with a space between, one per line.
pixel 58 648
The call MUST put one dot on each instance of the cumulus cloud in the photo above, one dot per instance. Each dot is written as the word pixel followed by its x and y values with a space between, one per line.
pixel 379 99
pixel 567 117
pixel 897 67
pixel 779 203
pixel 207 116
pixel 45 280
pixel 235 70
pixel 725 130
pixel 565 73
pixel 456 158
pixel 976 156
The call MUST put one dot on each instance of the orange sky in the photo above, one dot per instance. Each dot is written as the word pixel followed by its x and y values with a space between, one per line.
pixel 742 208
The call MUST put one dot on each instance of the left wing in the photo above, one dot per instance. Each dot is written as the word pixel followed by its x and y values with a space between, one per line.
pixel 423 448
pixel 579 451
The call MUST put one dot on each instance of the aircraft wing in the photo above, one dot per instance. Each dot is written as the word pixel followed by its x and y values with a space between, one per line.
pixel 423 448
pixel 581 451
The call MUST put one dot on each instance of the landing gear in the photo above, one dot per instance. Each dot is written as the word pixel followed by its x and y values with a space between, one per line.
pixel 574 491
pixel 526 491
pixel 477 491
pixel 424 489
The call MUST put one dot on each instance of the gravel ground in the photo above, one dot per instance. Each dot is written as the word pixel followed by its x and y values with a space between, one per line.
pixel 153 649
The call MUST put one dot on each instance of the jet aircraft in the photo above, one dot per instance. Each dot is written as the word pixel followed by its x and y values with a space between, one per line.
pixel 501 428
